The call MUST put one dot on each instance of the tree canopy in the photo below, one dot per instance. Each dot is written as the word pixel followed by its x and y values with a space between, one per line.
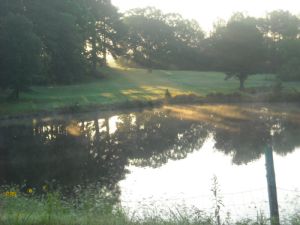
pixel 20 53
pixel 239 48
pixel 158 40
pixel 64 42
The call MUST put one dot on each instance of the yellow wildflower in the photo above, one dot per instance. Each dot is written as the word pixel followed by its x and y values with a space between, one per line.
pixel 29 190
pixel 10 194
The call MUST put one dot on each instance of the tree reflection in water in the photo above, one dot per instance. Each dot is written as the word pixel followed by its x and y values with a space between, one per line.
pixel 95 149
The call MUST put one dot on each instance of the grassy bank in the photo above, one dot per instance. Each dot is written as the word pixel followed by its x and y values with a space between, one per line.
pixel 120 86
pixel 52 209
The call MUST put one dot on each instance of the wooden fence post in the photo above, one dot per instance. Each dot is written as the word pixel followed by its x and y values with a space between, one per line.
pixel 272 190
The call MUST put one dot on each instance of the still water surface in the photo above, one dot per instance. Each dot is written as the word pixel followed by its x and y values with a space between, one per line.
pixel 162 158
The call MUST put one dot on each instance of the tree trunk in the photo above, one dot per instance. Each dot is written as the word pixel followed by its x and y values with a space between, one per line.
pixel 104 57
pixel 242 84
pixel 149 65
pixel 103 42
pixel 15 94
pixel 149 59
pixel 107 129
pixel 97 131
pixel 242 78
pixel 94 52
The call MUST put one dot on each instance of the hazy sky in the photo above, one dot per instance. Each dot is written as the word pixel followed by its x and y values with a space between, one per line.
pixel 208 11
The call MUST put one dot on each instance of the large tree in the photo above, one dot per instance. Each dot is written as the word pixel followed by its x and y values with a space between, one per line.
pixel 158 40
pixel 59 24
pixel 148 37
pixel 20 53
pixel 281 30
pixel 239 48
pixel 282 25
pixel 105 32
pixel 186 44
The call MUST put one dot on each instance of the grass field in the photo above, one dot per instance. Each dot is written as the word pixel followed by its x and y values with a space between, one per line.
pixel 130 84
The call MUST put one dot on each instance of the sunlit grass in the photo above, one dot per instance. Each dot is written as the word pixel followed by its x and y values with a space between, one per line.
pixel 123 85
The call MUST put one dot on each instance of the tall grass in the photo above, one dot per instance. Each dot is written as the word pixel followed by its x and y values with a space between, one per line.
pixel 90 208
pixel 53 210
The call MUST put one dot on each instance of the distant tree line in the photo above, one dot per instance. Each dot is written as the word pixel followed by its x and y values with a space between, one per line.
pixel 65 41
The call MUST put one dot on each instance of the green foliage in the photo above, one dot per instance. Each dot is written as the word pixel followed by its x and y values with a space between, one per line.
pixel 148 36
pixel 277 87
pixel 157 40
pixel 58 25
pixel 290 70
pixel 52 209
pixel 105 33
pixel 282 25
pixel 281 31
pixel 295 220
pixel 64 42
pixel 20 53
pixel 74 36
pixel 239 48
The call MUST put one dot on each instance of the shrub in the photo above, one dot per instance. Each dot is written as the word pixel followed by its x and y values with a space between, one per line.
pixel 290 70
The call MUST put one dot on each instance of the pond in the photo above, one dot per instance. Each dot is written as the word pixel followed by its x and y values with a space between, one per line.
pixel 153 160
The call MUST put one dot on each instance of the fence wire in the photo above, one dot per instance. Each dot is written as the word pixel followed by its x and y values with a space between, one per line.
pixel 251 204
